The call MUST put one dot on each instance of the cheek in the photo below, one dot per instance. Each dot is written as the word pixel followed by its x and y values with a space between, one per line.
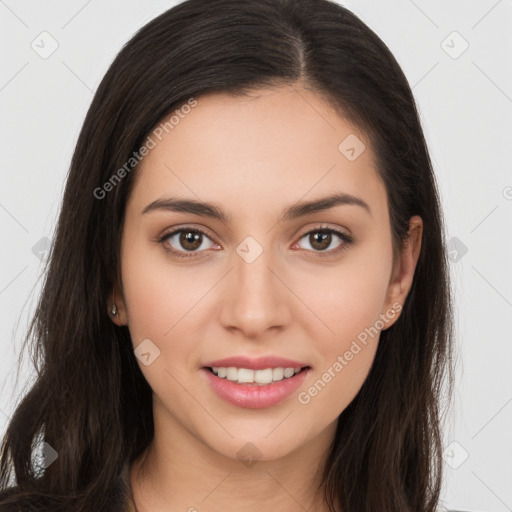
pixel 333 387
pixel 157 300
pixel 154 296
pixel 348 299
pixel 342 301
pixel 345 355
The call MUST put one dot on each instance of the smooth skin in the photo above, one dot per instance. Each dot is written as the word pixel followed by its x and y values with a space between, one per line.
pixel 254 156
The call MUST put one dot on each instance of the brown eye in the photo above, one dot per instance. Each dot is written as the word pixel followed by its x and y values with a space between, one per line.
pixel 190 240
pixel 185 240
pixel 320 239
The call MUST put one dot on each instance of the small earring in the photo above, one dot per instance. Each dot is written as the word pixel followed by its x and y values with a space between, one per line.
pixel 113 310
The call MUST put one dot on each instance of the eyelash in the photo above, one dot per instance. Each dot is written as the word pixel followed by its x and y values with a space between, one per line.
pixel 347 241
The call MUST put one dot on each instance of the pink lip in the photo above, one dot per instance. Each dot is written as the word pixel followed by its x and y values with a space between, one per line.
pixel 259 363
pixel 252 396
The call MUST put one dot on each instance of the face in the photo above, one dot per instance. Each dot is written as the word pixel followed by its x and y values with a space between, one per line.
pixel 273 288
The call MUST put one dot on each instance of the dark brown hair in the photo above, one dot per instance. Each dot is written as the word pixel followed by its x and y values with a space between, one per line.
pixel 90 401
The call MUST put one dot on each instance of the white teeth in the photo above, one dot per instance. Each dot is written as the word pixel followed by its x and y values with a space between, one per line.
pixel 232 373
pixel 263 376
pixel 246 375
pixel 277 374
pixel 288 372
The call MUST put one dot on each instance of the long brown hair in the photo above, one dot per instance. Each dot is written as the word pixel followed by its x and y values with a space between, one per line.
pixel 90 402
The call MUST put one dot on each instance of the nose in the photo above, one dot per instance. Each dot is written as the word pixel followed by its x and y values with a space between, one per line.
pixel 256 298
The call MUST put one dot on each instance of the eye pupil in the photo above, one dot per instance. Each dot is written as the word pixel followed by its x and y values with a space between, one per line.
pixel 189 239
pixel 319 237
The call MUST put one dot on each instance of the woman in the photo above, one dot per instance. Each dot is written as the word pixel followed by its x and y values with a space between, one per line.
pixel 247 301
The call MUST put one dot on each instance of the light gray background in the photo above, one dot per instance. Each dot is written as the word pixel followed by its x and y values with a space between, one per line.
pixel 465 100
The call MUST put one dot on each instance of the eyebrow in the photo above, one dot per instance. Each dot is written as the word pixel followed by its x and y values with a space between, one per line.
pixel 214 211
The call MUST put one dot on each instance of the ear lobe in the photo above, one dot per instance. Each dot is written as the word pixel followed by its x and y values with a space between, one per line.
pixel 116 308
pixel 403 271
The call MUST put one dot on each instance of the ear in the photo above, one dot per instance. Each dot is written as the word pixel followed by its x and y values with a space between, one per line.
pixel 116 297
pixel 403 272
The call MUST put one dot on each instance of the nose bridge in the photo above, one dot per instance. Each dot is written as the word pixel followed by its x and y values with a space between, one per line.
pixel 257 298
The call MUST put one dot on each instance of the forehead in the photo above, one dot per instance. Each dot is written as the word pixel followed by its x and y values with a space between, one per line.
pixel 269 145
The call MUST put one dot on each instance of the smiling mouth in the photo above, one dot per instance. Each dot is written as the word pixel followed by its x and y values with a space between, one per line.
pixel 262 377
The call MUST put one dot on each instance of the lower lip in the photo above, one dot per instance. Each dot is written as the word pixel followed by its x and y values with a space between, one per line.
pixel 252 396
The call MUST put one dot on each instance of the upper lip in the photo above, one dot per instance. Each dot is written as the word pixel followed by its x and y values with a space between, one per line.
pixel 258 363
